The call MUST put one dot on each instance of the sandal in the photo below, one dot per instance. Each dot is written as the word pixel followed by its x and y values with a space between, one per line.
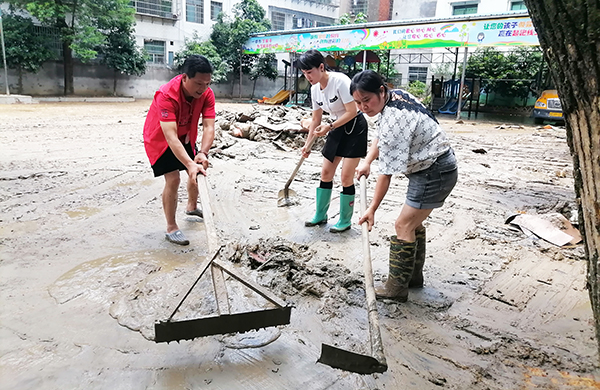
pixel 177 237
pixel 196 213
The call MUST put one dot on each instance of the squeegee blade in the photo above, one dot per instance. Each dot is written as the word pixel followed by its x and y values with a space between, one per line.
pixel 167 331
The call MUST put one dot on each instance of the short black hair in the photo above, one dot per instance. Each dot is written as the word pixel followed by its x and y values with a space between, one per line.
pixel 311 59
pixel 367 81
pixel 196 64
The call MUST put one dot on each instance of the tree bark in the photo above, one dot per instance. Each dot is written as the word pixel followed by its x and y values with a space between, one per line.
pixel 569 34
pixel 68 68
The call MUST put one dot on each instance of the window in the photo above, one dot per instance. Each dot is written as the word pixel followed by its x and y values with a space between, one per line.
pixel 417 73
pixel 160 8
pixel 278 20
pixel 215 9
pixel 358 6
pixel 194 11
pixel 464 9
pixel 517 5
pixel 301 23
pixel 156 51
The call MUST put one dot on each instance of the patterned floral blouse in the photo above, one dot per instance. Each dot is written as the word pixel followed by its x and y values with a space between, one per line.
pixel 410 138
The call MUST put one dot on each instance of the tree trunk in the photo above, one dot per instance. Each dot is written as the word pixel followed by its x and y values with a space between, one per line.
pixel 569 33
pixel 115 74
pixel 20 82
pixel 253 88
pixel 68 68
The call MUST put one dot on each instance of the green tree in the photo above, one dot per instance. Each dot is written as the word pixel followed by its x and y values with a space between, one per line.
pixel 263 67
pixel 508 73
pixel 26 51
pixel 229 34
pixel 80 23
pixel 208 50
pixel 352 19
pixel 119 51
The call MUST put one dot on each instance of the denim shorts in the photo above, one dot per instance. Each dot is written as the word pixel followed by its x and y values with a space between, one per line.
pixel 429 188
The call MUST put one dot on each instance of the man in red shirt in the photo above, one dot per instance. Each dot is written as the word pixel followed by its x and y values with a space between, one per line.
pixel 170 134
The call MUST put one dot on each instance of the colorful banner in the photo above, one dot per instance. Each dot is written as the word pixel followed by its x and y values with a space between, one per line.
pixel 488 32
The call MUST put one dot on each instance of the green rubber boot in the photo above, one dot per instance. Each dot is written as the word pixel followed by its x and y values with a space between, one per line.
pixel 346 211
pixel 402 263
pixel 416 281
pixel 323 200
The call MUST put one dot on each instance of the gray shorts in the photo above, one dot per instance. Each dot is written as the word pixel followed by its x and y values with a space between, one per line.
pixel 429 188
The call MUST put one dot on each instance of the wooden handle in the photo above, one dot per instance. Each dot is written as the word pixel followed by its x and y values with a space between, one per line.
pixel 308 146
pixel 209 222
pixel 375 332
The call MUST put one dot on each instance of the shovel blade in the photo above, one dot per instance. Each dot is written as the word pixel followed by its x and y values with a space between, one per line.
pixel 350 361
pixel 283 197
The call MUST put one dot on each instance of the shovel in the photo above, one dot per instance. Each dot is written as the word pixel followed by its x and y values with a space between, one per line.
pixel 283 197
pixel 351 361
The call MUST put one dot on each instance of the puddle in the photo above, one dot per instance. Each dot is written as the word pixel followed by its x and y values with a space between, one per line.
pixel 83 212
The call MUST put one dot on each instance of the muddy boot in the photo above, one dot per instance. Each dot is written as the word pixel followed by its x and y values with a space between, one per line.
pixel 346 211
pixel 402 262
pixel 323 200
pixel 417 276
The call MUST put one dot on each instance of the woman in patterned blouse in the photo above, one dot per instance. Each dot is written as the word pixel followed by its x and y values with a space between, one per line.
pixel 411 142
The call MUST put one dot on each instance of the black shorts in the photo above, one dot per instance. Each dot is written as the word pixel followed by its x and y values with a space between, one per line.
pixel 349 140
pixel 169 163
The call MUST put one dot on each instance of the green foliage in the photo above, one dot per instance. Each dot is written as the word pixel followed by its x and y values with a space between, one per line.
pixel 442 70
pixel 85 27
pixel 352 19
pixel 230 34
pixel 119 50
pixel 418 89
pixel 510 74
pixel 208 50
pixel 25 50
pixel 264 67
pixel 121 53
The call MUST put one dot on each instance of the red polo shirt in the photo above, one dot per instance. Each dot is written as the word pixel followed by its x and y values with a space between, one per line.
pixel 170 105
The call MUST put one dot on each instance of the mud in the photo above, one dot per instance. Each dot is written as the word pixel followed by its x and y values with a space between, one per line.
pixel 86 270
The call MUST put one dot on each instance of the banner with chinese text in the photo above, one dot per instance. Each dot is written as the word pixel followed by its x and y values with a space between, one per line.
pixel 475 33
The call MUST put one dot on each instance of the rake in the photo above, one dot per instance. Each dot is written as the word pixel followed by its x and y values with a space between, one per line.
pixel 225 322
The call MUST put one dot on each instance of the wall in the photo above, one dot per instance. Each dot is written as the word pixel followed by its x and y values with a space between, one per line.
pixel 97 80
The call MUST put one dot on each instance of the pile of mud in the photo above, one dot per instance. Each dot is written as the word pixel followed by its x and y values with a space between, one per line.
pixel 141 289
pixel 277 125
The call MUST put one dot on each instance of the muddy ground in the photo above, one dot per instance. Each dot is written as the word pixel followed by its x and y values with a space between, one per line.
pixel 85 269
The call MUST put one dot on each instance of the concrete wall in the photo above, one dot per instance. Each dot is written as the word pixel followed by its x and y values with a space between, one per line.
pixel 97 80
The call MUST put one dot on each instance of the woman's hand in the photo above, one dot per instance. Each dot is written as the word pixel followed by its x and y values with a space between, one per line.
pixel 322 130
pixel 305 151
pixel 363 169
pixel 369 217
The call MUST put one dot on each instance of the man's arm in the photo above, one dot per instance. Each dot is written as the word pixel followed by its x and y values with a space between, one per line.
pixel 170 131
pixel 208 136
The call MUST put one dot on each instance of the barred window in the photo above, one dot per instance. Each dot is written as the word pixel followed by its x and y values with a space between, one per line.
pixel 156 51
pixel 417 73
pixel 278 20
pixel 215 9
pixel 194 11
pixel 466 9
pixel 162 8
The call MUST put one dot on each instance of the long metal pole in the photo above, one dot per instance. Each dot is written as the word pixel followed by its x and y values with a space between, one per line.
pixel 4 54
pixel 462 82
